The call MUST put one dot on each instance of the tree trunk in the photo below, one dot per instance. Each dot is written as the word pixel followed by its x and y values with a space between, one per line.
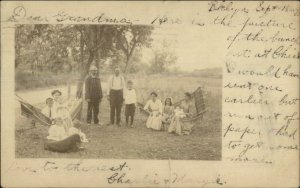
pixel 126 67
pixel 84 72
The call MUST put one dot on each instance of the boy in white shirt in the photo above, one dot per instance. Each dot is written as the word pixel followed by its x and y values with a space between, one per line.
pixel 48 110
pixel 130 101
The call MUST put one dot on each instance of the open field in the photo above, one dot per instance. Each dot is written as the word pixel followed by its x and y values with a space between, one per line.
pixel 139 142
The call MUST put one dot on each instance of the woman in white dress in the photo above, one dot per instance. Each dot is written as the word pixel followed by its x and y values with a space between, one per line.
pixel 57 99
pixel 154 107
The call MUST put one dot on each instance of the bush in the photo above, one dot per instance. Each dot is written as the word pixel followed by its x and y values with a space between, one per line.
pixel 30 80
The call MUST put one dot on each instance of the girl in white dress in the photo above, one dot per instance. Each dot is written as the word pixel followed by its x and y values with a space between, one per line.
pixel 154 107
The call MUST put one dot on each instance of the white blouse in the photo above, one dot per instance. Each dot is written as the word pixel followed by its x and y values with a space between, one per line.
pixel 154 106
pixel 130 96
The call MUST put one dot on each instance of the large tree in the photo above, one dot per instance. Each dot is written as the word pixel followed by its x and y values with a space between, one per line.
pixel 96 41
pixel 130 38
pixel 163 57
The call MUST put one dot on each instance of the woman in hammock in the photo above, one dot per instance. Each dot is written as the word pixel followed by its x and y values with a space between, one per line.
pixel 154 107
pixel 180 123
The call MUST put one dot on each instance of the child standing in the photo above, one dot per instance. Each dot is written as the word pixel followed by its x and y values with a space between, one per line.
pixel 130 101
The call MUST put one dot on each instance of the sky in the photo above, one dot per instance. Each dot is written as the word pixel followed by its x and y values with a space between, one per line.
pixel 195 48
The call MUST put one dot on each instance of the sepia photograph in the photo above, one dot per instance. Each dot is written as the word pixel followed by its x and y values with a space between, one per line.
pixel 150 93
pixel 116 92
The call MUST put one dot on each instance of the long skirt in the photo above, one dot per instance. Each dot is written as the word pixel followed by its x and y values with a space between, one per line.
pixel 180 126
pixel 154 122
pixel 65 145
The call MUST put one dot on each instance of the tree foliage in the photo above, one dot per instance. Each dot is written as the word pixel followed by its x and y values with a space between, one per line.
pixel 73 48
pixel 164 57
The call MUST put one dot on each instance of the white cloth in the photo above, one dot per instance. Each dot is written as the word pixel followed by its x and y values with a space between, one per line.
pixel 179 112
pixel 46 112
pixel 54 107
pixel 154 120
pixel 130 96
pixel 63 110
pixel 58 133
pixel 115 83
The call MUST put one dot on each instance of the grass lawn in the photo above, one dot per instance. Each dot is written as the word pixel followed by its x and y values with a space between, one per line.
pixel 204 143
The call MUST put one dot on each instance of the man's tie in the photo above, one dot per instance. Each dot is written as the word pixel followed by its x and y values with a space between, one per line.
pixel 50 113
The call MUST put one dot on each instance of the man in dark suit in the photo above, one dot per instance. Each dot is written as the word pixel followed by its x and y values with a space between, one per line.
pixel 93 95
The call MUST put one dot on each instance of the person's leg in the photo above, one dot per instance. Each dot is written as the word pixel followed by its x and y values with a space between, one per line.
pixel 96 111
pixel 112 107
pixel 132 114
pixel 127 120
pixel 119 101
pixel 89 113
pixel 126 114
pixel 131 120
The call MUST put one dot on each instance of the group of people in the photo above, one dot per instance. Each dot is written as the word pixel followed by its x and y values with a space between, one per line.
pixel 63 134
pixel 117 92
pixel 161 117
pixel 169 118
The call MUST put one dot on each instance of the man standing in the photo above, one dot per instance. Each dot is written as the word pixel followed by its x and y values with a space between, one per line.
pixel 93 94
pixel 115 87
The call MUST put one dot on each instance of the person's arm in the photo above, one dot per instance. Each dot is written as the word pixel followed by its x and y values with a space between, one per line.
pixel 160 108
pixel 100 90
pixel 146 107
pixel 108 85
pixel 87 91
pixel 124 83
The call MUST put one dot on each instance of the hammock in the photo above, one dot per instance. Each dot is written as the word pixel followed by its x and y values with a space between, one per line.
pixel 35 113
pixel 199 103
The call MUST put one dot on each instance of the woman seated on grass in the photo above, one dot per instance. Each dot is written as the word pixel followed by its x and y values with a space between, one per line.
pixel 154 107
pixel 180 123
pixel 62 137
pixel 168 113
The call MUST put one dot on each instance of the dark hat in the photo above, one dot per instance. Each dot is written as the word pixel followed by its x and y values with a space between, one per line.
pixel 49 99
pixel 56 91
pixel 154 93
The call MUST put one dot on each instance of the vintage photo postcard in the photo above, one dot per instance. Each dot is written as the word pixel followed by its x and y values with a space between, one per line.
pixel 150 94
